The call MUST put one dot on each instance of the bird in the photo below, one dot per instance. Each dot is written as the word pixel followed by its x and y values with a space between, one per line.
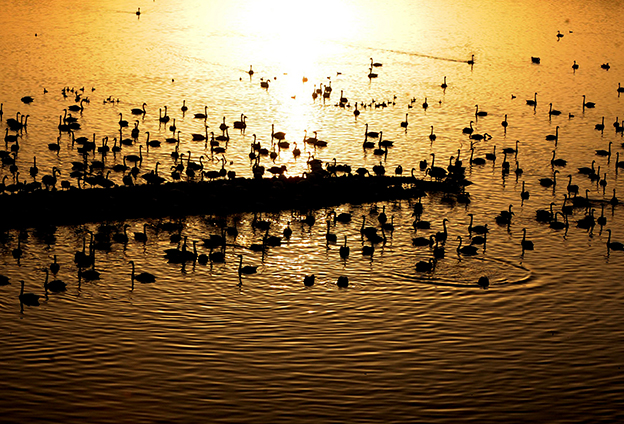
pixel 138 12
pixel 247 269
pixel 444 85
pixel 505 123
pixel 524 194
pixel 425 266
pixel 552 111
pixel 344 250
pixel 29 299
pixel 308 280
pixel 404 123
pixel 469 250
pixel 143 277
pixel 343 281
pixel 375 64
pixel 526 244
pixel 533 101
pixel 572 188
pixel 600 127
pixel 468 130
pixel 479 112
pixel 548 182
pixel 54 266
pixel 425 105
pixel 184 107
pixel 555 136
pixel 575 65
pixel 620 89
pixel 588 104
pixel 54 286
pixel 432 136
pixel 483 282
pixel 139 111
pixel 602 152
pixel 613 245
pixel 535 59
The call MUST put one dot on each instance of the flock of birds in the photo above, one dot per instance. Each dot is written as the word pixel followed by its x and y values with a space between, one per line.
pixel 92 169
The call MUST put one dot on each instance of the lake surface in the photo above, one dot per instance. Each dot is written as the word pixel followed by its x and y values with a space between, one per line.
pixel 543 343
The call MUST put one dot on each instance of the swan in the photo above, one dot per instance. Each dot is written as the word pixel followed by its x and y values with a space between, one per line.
pixel 468 130
pixel 587 170
pixel 54 286
pixel 54 266
pixel 183 108
pixel 479 229
pixel 602 152
pixel 143 277
pixel 122 122
pixel 613 245
pixel 572 188
pixel 432 136
pixel 555 136
pixel 29 299
pixel 557 161
pixel 425 105
pixel 588 104
pixel 466 250
pixel 139 111
pixel 280 135
pixel 505 123
pixel 241 125
pixel 575 65
pixel 308 280
pixel 478 112
pixel 548 182
pixel 330 237
pixel 202 115
pixel 247 269
pixel 405 123
pixel 442 235
pixel 371 134
pixel 533 101
pixel 135 158
pixel 600 127
pixel 524 195
pixel 443 85
pixel 343 281
pixel 344 250
pixel 425 266
pixel 526 244
pixel 552 111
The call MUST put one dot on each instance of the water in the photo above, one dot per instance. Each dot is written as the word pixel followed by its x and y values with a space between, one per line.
pixel 541 344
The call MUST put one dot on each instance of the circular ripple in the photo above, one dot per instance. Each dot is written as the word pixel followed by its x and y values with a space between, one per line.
pixel 467 271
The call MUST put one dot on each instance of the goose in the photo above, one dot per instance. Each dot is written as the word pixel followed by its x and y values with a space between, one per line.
pixel 466 250
pixel 613 245
pixel 526 244
pixel 533 101
pixel 247 269
pixel 29 299
pixel 139 111
pixel 143 277
pixel 588 104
